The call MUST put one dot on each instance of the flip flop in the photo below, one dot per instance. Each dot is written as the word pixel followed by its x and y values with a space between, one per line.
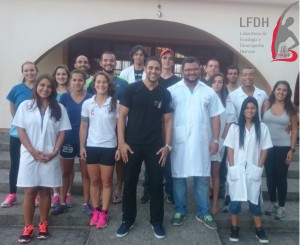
pixel 116 199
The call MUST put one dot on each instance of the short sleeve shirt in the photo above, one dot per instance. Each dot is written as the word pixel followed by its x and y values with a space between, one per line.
pixel 146 108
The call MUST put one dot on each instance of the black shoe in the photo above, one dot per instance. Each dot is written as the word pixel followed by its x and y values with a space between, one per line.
pixel 159 231
pixel 124 228
pixel 145 199
pixel 261 236
pixel 234 235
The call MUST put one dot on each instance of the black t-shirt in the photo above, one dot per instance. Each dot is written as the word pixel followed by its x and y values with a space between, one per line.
pixel 146 108
pixel 169 81
pixel 138 75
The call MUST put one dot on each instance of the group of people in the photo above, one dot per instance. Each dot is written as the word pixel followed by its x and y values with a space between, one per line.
pixel 177 127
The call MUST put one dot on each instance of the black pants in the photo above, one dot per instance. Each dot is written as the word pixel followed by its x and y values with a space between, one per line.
pixel 276 172
pixel 155 173
pixel 168 184
pixel 14 151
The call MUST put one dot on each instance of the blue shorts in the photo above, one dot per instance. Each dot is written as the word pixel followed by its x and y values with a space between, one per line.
pixel 70 151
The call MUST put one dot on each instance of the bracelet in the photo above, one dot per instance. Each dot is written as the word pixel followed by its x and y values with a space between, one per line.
pixel 292 149
pixel 216 141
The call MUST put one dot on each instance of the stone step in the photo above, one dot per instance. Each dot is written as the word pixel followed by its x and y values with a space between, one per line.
pixel 5 164
pixel 292 195
pixel 75 218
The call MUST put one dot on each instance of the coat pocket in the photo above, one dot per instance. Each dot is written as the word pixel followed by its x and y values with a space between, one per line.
pixel 233 173
pixel 255 173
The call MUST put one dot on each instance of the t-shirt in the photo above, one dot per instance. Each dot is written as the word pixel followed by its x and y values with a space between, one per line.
pixel 74 113
pixel 169 81
pixel 102 123
pixel 146 108
pixel 16 96
pixel 138 75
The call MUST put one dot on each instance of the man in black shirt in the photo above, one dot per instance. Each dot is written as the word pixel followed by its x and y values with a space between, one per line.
pixel 144 104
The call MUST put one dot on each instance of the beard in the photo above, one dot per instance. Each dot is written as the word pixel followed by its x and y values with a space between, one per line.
pixel 109 72
pixel 191 81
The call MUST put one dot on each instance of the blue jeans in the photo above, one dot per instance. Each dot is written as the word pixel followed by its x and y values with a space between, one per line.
pixel 200 192
pixel 236 206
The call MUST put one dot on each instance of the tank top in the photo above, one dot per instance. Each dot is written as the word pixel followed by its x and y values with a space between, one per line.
pixel 277 126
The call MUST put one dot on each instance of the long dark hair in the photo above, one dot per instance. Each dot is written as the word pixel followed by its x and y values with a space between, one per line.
pixel 288 105
pixel 61 67
pixel 224 91
pixel 255 120
pixel 111 89
pixel 55 110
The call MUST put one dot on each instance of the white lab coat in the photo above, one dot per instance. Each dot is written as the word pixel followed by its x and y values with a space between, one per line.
pixel 235 100
pixel 31 172
pixel 244 178
pixel 128 74
pixel 192 132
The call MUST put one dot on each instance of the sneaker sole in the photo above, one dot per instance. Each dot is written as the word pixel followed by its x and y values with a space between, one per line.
pixel 234 239
pixel 101 227
pixel 125 234
pixel 179 224
pixel 42 237
pixel 24 241
pixel 262 241
pixel 8 205
pixel 210 227
pixel 158 236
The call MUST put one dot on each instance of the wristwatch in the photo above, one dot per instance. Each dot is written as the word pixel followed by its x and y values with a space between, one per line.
pixel 216 141
pixel 169 147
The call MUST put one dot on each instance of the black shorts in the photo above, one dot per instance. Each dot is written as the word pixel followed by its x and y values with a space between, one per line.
pixel 70 151
pixel 100 155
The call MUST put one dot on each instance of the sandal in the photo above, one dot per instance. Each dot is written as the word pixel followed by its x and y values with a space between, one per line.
pixel 116 199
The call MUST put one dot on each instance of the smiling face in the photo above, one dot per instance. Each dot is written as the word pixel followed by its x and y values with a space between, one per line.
pixel 247 77
pixel 217 84
pixel 101 85
pixel 77 82
pixel 44 89
pixel 61 76
pixel 153 71
pixel 82 63
pixel 250 111
pixel 108 62
pixel 281 92
pixel 191 72
pixel 29 72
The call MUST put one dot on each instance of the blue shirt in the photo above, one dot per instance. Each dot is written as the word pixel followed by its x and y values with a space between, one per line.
pixel 74 112
pixel 16 96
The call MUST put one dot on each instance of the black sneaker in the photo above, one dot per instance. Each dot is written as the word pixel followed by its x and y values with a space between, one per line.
pixel 124 228
pixel 178 219
pixel 145 199
pixel 159 231
pixel 234 235
pixel 261 236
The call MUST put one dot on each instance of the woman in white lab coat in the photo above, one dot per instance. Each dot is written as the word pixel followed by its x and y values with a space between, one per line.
pixel 247 145
pixel 41 123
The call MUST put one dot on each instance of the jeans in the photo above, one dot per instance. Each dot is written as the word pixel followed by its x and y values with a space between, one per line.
pixel 142 153
pixel 15 152
pixel 200 193
pixel 236 206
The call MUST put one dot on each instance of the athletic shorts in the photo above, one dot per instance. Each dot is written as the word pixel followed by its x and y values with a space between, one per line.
pixel 70 151
pixel 100 155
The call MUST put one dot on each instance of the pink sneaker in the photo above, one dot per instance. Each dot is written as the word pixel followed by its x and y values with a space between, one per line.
pixel 69 200
pixel 103 219
pixel 95 218
pixel 10 200
pixel 37 200
pixel 55 202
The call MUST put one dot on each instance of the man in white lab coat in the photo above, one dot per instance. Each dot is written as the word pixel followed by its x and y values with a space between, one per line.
pixel 195 137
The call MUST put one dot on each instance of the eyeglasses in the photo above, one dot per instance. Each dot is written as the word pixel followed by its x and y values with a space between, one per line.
pixel 191 70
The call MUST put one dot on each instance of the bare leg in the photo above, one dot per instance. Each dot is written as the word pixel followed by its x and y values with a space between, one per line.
pixel 107 185
pixel 95 179
pixel 234 220
pixel 45 202
pixel 215 171
pixel 120 174
pixel 85 181
pixel 257 221
pixel 28 204
pixel 67 167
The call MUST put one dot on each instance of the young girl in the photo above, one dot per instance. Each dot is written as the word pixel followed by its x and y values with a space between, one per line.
pixel 16 96
pixel 61 76
pixel 217 84
pixel 73 103
pixel 41 124
pixel 98 144
pixel 247 145
pixel 279 113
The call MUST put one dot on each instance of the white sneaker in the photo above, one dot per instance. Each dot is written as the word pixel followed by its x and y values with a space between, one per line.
pixel 279 215
pixel 271 209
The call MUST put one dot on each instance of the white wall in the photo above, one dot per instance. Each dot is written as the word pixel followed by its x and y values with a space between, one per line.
pixel 30 28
